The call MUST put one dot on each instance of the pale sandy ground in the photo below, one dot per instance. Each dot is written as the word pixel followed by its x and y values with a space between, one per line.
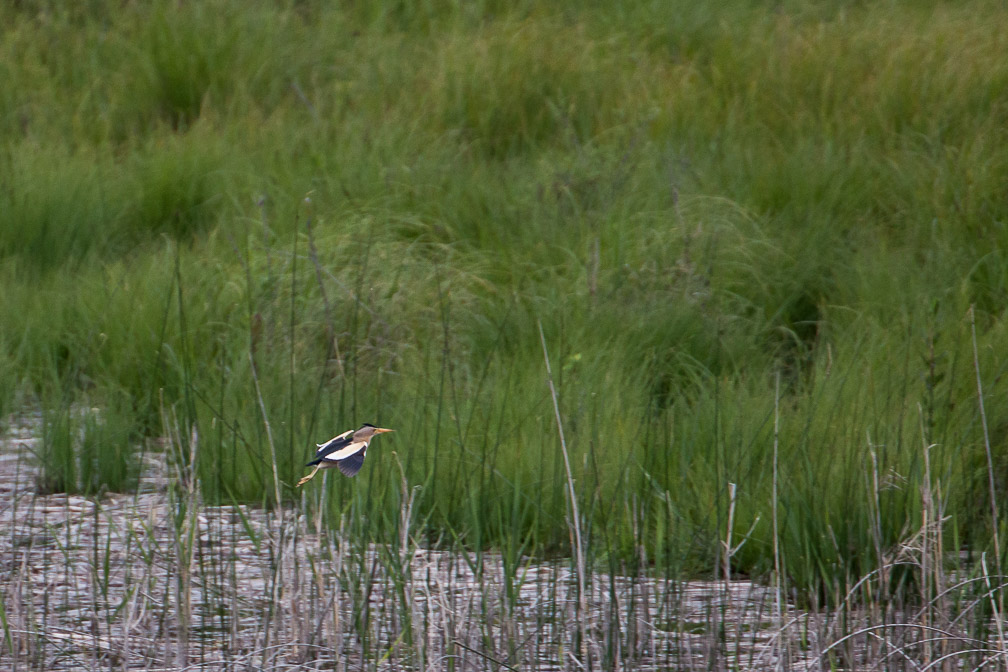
pixel 157 580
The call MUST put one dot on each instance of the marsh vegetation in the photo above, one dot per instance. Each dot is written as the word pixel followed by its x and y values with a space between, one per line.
pixel 651 292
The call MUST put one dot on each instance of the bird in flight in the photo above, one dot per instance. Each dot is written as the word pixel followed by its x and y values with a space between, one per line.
pixel 345 451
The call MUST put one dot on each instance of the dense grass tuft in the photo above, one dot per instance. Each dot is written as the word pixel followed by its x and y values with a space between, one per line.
pixel 263 226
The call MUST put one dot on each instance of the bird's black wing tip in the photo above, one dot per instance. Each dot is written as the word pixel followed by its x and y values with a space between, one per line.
pixel 351 465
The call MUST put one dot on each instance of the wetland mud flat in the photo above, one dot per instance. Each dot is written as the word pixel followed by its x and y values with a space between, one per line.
pixel 158 580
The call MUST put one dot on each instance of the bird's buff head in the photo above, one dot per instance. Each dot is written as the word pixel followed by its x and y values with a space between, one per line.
pixel 367 431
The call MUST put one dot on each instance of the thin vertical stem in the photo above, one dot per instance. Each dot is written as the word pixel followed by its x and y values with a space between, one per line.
pixel 929 548
pixel 290 350
pixel 779 597
pixel 575 515
pixel 269 431
pixel 987 442
pixel 990 475
pixel 728 550
pixel 987 445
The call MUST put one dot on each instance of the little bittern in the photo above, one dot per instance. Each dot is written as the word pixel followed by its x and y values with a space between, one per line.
pixel 345 451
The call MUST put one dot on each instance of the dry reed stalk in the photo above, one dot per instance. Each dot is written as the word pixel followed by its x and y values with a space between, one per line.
pixel 269 430
pixel 778 586
pixel 575 523
pixel 999 607
pixel 876 530
pixel 184 528
pixel 726 544
pixel 930 551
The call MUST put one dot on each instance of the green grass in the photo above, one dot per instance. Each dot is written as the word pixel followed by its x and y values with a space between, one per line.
pixel 691 199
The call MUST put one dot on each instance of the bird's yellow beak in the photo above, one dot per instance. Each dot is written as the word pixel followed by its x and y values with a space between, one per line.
pixel 382 430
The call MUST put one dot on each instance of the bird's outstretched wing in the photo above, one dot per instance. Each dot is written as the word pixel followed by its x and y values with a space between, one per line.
pixel 351 464
pixel 333 445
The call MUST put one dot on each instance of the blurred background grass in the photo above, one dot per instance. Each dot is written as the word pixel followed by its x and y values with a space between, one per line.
pixel 370 208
